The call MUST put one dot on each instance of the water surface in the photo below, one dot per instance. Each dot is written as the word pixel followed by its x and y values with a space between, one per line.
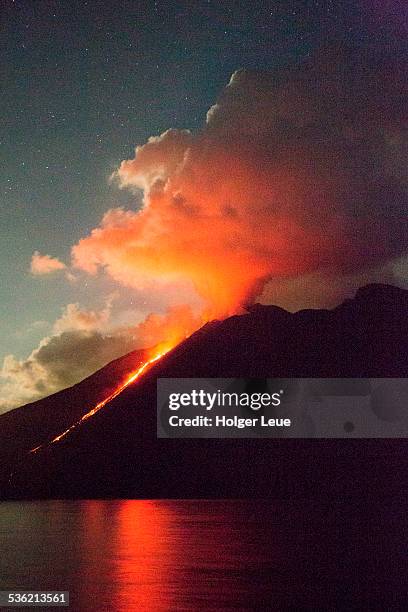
pixel 208 555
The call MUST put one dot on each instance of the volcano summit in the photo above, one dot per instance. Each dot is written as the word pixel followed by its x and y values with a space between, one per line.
pixel 115 452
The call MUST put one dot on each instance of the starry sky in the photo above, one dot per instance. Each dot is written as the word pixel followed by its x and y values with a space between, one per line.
pixel 84 82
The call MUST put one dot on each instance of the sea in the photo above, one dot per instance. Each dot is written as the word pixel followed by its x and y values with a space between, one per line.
pixel 125 555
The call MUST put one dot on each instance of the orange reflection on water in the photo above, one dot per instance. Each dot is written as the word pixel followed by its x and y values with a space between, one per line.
pixel 143 558
pixel 157 555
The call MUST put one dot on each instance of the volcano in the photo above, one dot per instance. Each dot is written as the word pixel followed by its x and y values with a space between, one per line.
pixel 116 453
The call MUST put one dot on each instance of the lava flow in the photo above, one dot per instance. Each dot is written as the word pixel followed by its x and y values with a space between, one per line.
pixel 131 379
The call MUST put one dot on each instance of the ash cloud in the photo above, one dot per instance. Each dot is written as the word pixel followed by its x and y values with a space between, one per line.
pixel 297 172
pixel 295 187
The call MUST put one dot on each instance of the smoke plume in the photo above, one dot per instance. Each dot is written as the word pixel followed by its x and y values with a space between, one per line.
pixel 295 187
pixel 297 172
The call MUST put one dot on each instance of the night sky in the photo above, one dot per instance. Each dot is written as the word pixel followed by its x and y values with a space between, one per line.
pixel 83 83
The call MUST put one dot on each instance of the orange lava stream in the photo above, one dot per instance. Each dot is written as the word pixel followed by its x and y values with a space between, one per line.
pixel 132 378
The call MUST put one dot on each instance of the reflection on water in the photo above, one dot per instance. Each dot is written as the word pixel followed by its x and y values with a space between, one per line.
pixel 203 555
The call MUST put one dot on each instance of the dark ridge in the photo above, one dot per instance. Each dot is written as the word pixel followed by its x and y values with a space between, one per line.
pixel 117 454
pixel 26 427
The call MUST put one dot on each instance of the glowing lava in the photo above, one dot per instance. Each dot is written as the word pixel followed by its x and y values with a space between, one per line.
pixel 131 379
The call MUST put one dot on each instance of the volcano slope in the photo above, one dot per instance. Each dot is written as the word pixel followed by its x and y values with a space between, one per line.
pixel 116 452
pixel 26 427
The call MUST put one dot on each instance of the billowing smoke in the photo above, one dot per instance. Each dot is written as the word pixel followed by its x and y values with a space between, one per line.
pixel 296 187
pixel 297 172
pixel 168 329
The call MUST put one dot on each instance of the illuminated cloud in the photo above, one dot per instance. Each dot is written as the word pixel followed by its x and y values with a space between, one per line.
pixel 44 264
pixel 169 328
pixel 295 187
pixel 73 318
pixel 80 344
pixel 295 173
pixel 60 361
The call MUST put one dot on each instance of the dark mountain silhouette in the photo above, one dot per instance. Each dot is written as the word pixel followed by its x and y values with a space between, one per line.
pixel 116 453
pixel 26 427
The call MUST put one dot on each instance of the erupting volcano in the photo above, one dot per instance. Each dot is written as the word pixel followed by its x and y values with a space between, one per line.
pixel 204 295
pixel 117 452
pixel 294 181
pixel 293 192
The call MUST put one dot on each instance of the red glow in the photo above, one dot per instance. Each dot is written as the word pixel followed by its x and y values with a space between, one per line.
pixel 131 379
pixel 141 530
